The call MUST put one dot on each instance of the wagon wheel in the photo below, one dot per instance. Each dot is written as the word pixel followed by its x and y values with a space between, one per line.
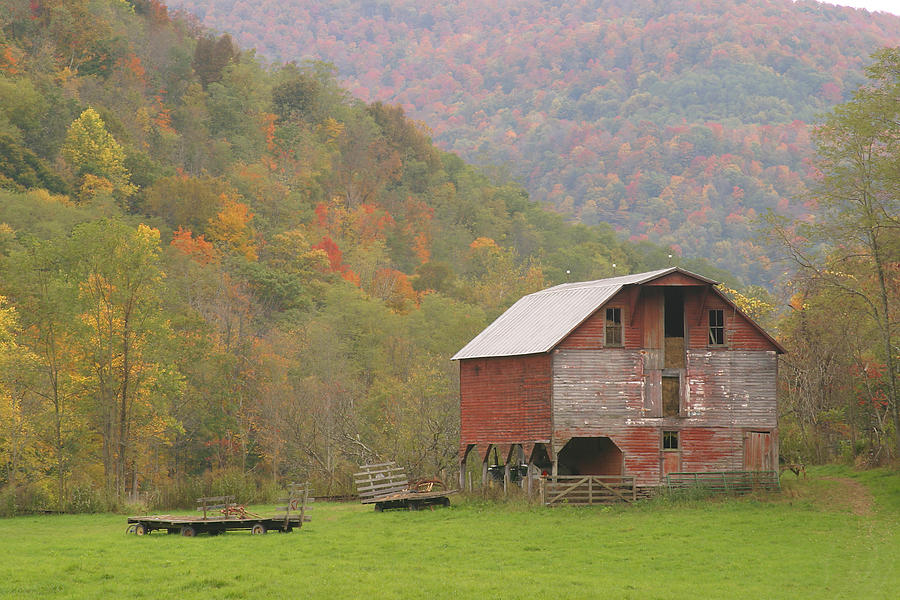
pixel 294 504
pixel 188 531
pixel 131 528
pixel 258 529
pixel 379 507
pixel 140 529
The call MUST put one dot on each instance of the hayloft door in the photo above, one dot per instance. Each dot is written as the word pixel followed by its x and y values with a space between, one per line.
pixel 758 451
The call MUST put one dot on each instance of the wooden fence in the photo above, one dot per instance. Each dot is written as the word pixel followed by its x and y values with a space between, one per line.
pixel 724 482
pixel 582 490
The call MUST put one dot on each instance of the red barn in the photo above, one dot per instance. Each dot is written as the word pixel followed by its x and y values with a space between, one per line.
pixel 639 376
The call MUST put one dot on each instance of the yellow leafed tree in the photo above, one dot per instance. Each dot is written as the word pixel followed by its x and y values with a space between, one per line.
pixel 95 155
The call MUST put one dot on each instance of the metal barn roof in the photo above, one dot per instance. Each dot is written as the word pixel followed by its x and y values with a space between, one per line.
pixel 539 321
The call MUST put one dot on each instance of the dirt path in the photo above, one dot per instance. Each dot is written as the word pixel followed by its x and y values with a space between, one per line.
pixel 849 493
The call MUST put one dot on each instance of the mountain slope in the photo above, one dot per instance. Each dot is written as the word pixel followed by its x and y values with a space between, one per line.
pixel 675 122
pixel 209 263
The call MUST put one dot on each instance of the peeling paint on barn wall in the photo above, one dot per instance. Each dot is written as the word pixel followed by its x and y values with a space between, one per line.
pixel 583 389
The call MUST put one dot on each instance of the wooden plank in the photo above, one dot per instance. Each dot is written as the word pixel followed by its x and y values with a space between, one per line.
pixel 376 465
pixel 377 488
pixel 394 469
pixel 378 473
pixel 382 483
pixel 381 477
pixel 216 506
pixel 392 477
pixel 379 480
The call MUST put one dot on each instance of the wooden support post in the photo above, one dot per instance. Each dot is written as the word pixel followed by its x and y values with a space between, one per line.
pixel 506 477
pixel 462 473
pixel 484 474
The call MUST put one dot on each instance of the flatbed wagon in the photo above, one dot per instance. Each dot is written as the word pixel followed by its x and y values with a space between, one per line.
pixel 410 500
pixel 191 526
pixel 386 486
pixel 221 514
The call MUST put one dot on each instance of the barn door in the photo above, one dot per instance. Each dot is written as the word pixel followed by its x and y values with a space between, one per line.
pixel 670 454
pixel 671 462
pixel 758 451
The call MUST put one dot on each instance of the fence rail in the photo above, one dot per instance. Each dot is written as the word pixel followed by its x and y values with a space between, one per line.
pixel 724 482
pixel 582 490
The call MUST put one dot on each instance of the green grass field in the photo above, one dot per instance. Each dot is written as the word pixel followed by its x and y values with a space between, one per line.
pixel 834 535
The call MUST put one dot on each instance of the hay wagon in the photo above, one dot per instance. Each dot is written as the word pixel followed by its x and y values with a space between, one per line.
pixel 387 487
pixel 221 514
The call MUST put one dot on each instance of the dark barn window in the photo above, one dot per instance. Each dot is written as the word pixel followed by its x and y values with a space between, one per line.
pixel 613 327
pixel 717 327
pixel 670 440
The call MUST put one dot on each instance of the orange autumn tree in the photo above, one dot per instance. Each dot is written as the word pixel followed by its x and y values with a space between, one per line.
pixel 231 229
pixel 395 289
pixel 198 248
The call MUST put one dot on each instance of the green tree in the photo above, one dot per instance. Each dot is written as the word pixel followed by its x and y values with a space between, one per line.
pixel 853 244
pixel 47 296
pixel 120 276
pixel 19 405
pixel 93 153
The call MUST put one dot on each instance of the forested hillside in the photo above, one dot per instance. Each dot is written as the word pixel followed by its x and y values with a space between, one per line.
pixel 676 122
pixel 218 274
pixel 211 265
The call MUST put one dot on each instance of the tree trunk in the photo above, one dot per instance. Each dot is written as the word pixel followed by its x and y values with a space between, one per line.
pixel 885 327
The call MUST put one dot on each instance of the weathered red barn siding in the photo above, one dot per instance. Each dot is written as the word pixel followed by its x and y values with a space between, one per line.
pixel 642 454
pixel 590 334
pixel 711 449
pixel 740 334
pixel 675 279
pixel 505 399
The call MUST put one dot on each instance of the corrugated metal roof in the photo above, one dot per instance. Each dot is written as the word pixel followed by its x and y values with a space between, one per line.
pixel 539 321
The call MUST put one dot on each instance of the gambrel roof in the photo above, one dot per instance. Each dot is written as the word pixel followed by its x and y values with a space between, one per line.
pixel 539 321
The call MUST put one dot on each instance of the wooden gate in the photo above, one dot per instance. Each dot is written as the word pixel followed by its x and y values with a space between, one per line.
pixel 587 489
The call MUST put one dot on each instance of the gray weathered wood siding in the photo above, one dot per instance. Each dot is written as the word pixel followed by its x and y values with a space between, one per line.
pixel 613 393
pixel 728 388
pixel 591 388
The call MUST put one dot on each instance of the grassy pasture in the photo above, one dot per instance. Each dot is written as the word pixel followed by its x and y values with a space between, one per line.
pixel 834 535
